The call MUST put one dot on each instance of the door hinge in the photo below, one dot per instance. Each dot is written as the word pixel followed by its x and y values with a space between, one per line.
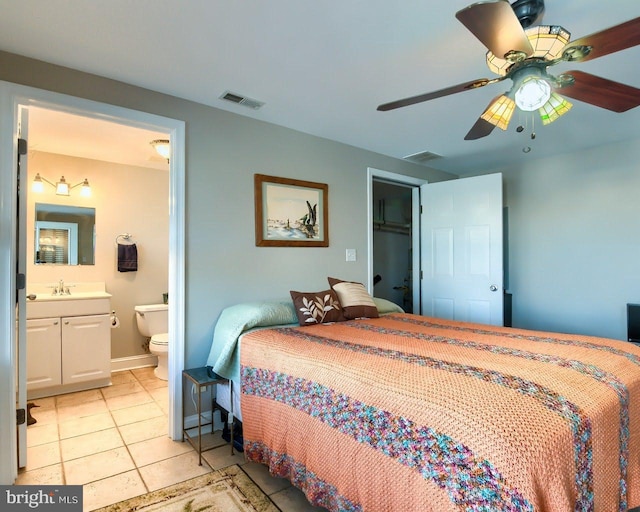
pixel 421 275
pixel 22 146
pixel 21 416
pixel 420 209
pixel 21 281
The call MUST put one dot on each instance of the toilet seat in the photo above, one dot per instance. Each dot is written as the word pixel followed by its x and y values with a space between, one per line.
pixel 160 339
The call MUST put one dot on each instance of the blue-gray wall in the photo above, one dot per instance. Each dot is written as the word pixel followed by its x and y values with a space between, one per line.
pixel 573 220
pixel 223 151
pixel 574 240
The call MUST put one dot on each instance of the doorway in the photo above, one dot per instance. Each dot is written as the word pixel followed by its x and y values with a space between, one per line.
pixel 14 99
pixel 115 160
pixel 394 237
pixel 392 247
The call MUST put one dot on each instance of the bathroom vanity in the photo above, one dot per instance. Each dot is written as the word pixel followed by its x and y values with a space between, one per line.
pixel 68 338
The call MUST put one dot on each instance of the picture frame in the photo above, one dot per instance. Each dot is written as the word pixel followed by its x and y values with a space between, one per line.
pixel 290 213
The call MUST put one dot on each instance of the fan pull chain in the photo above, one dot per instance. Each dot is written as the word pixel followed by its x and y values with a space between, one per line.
pixel 521 128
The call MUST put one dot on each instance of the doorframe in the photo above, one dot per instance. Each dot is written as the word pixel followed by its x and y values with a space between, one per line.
pixel 12 97
pixel 402 180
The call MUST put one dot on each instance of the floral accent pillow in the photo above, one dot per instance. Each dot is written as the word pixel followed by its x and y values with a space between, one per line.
pixel 315 308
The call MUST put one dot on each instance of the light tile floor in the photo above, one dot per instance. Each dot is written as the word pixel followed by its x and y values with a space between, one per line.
pixel 114 442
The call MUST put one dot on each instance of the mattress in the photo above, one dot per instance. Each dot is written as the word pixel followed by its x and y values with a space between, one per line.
pixel 223 399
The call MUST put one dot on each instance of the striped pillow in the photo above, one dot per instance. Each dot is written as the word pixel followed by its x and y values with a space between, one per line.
pixel 354 299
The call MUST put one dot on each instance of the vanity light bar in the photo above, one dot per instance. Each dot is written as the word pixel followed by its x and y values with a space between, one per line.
pixel 62 187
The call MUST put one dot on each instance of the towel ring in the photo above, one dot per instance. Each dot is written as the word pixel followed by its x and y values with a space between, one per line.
pixel 124 236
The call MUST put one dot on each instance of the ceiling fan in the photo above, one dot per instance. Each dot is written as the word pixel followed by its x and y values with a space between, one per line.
pixel 523 53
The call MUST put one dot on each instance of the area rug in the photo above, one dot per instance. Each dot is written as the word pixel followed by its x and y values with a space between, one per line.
pixel 225 490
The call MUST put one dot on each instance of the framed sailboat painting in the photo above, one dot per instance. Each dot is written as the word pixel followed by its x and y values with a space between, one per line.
pixel 291 213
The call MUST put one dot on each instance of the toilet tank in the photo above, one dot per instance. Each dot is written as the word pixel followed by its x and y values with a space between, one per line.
pixel 152 319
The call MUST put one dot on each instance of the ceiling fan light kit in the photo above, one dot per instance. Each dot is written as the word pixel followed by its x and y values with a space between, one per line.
pixel 500 111
pixel 532 93
pixel 524 54
pixel 554 108
pixel 547 43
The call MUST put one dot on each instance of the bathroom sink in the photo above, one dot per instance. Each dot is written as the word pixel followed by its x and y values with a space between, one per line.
pixel 76 291
pixel 41 297
pixel 82 299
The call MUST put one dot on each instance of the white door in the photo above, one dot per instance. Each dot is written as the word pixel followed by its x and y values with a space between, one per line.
pixel 462 249
pixel 21 297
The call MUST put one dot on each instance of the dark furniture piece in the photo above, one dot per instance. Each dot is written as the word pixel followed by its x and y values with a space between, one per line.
pixel 202 378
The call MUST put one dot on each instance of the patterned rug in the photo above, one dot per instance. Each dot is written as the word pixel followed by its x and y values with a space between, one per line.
pixel 226 490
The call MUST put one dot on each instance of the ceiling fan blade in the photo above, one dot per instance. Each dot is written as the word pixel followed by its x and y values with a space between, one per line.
pixel 474 84
pixel 496 26
pixel 481 129
pixel 601 92
pixel 610 40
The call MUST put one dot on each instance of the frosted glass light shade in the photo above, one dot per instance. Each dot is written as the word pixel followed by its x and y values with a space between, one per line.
pixel 85 191
pixel 532 94
pixel 62 187
pixel 37 185
pixel 162 147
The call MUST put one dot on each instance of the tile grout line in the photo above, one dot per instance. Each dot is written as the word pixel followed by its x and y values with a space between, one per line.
pixel 146 487
pixel 65 406
pixel 258 486
pixel 62 466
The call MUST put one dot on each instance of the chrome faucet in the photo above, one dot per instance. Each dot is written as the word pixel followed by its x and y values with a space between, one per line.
pixel 59 290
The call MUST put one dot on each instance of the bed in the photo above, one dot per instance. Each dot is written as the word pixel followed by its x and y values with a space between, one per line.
pixel 404 412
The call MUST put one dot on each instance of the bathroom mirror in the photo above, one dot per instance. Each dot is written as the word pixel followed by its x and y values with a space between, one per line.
pixel 64 235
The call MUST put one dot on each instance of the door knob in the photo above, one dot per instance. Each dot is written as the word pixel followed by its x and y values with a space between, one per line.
pixel 493 288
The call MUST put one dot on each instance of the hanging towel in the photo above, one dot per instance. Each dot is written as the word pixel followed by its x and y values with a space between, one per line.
pixel 127 258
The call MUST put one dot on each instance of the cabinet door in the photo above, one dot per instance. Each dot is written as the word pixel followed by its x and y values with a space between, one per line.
pixel 86 348
pixel 43 353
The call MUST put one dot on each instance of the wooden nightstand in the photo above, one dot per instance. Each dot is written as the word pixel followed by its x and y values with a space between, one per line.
pixel 202 379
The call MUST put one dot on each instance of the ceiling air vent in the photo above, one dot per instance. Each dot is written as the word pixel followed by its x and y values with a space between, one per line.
pixel 422 157
pixel 241 100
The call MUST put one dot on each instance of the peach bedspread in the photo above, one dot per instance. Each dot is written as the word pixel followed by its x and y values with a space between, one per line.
pixel 410 413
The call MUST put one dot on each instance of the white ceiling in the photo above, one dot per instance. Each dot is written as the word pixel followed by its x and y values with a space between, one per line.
pixel 323 67
pixel 51 131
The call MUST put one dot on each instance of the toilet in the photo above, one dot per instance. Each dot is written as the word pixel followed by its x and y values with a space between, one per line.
pixel 153 322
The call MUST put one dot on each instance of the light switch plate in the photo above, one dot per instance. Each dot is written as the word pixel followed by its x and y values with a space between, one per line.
pixel 351 255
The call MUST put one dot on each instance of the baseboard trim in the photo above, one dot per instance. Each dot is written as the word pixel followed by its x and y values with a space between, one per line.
pixel 68 388
pixel 132 362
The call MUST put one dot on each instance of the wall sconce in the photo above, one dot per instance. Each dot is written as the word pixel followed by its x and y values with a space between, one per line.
pixel 62 187
pixel 162 147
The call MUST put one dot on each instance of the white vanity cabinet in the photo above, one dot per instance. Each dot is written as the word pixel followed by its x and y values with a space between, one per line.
pixel 65 352
pixel 86 348
pixel 44 353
